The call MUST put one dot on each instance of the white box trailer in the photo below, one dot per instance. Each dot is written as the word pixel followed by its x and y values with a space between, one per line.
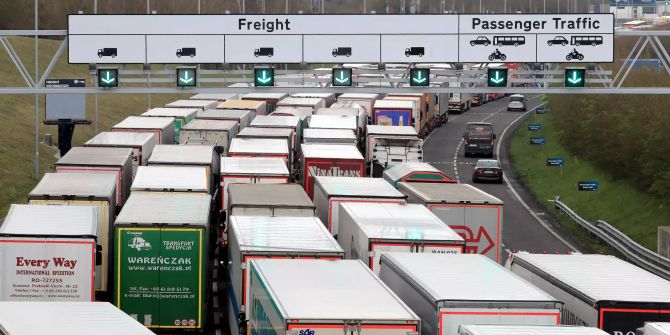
pixel 249 170
pixel 310 104
pixel 189 155
pixel 329 136
pixel 366 230
pixel 446 291
pixel 241 116
pixel 598 290
pixel 471 212
pixel 330 192
pixel 527 330
pixel 199 104
pixel 365 100
pixel 66 318
pixel 272 134
pixel 270 99
pixel 656 328
pixel 172 179
pixel 182 116
pixel 142 144
pixel 163 127
pixel 210 132
pixel 48 253
pixel 221 97
pixel 269 200
pixel 387 146
pixel 84 189
pixel 333 122
pixel 275 121
pixel 256 107
pixel 329 98
pixel 327 298
pixel 357 112
pixel 416 173
pixel 253 237
pixel 116 161
pixel 259 147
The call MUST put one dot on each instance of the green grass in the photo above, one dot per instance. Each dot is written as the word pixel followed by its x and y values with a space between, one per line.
pixel 635 213
pixel 17 117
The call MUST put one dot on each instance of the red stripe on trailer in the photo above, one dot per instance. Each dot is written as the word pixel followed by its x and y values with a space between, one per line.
pixel 160 133
pixel 555 314
pixel 115 170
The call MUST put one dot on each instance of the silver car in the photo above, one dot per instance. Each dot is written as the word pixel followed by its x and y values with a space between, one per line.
pixel 517 102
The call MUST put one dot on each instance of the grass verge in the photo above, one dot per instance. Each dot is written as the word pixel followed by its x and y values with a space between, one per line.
pixel 635 213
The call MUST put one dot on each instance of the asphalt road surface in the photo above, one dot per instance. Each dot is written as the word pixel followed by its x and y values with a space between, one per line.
pixel 526 227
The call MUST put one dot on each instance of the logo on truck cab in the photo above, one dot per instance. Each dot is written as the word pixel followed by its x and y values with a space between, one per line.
pixel 307 332
pixel 139 244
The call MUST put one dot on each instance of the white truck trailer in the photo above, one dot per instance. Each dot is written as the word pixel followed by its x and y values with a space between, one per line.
pixel 163 127
pixel 309 297
pixel 451 290
pixel 250 170
pixel 189 155
pixel 527 330
pixel 181 116
pixel 256 107
pixel 598 290
pixel 142 144
pixel 416 173
pixel 269 200
pixel 209 132
pixel 329 136
pixel 367 230
pixel 194 103
pixel 656 328
pixel 387 146
pixel 242 116
pixel 172 179
pixel 220 97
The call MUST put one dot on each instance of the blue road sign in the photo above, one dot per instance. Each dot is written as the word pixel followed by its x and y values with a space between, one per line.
pixel 588 185
pixel 537 140
pixel 556 161
pixel 534 127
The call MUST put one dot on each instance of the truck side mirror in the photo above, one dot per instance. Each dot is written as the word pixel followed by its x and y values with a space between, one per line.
pixel 98 254
pixel 494 136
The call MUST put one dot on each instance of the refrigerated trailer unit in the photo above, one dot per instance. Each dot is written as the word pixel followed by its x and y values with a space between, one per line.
pixel 48 253
pixel 598 290
pixel 446 291
pixel 249 170
pixel 415 173
pixel 329 298
pixel 161 259
pixel 210 132
pixel 189 155
pixel 270 99
pixel 241 116
pixel 387 146
pixel 329 160
pixel 142 144
pixel 162 127
pixel 330 192
pixel 269 200
pixel 366 230
pixel 84 189
pixel 220 97
pixel 254 237
pixel 182 116
pixel 115 161
pixel 199 104
pixel 257 147
pixel 256 107
pixel 60 318
pixel 528 330
pixel 476 215
pixel 395 113
pixel 155 178
pixel 329 136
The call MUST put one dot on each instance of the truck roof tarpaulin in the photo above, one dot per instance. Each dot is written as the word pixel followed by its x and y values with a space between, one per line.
pixel 450 290
pixel 212 132
pixel 330 192
pixel 366 230
pixel 66 318
pixel 473 213
pixel 415 172
pixel 329 136
pixel 251 170
pixel 319 299
pixel 171 179
pixel 330 160
pixel 199 104
pixel 527 330
pixel 253 237
pixel 83 189
pixel 598 290
pixel 221 97
pixel 333 122
pixel 242 116
pixel 48 253
pixel 163 127
pixel 258 107
pixel 142 144
pixel 116 161
pixel 269 200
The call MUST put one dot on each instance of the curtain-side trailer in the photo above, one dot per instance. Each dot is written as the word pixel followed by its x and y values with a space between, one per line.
pixel 365 100
pixel 163 127
pixel 598 290
pixel 275 121
pixel 451 290
pixel 328 98
pixel 329 136
pixel 396 113
pixel 259 147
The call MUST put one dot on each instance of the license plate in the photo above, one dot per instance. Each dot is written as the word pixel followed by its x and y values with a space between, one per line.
pixel 473 145
pixel 488 172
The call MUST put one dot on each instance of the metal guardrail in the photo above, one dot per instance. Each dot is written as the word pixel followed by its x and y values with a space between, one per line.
pixel 631 250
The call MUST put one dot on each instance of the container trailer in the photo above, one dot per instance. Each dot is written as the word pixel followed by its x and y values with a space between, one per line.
pixel 210 132
pixel 181 116
pixel 329 160
pixel 162 127
pixel 241 116
pixel 275 121
pixel 142 144
pixel 346 122
pixel 272 134
pixel 356 111
pixel 415 173
pixel 269 200
pixel 310 104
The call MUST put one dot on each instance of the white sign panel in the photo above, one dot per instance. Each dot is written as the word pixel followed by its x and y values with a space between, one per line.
pixel 419 48
pixel 497 48
pixel 185 49
pixel 263 49
pixel 107 49
pixel 341 49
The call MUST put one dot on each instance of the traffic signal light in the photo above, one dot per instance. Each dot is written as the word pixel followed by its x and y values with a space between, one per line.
pixel 419 77
pixel 187 77
pixel 341 77
pixel 575 77
pixel 108 78
pixel 264 77
pixel 497 77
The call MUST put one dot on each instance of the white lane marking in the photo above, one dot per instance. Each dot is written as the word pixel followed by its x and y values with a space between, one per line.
pixel 516 194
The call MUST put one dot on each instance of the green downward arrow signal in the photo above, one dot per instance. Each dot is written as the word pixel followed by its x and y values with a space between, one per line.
pixel 185 79
pixel 107 79
pixel 497 79
pixel 264 79
pixel 576 79
pixel 419 79
pixel 342 79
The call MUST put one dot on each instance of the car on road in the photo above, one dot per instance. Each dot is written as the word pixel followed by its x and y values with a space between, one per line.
pixel 481 40
pixel 488 170
pixel 517 102
pixel 558 40
pixel 478 100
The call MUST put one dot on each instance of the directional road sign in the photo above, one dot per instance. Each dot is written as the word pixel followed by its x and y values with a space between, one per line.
pixel 419 77
pixel 108 77
pixel 187 77
pixel 575 77
pixel 264 76
pixel 497 77
pixel 341 77
pixel 60 83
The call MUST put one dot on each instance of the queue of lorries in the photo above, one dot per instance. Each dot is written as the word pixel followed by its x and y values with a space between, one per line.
pixel 318 215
